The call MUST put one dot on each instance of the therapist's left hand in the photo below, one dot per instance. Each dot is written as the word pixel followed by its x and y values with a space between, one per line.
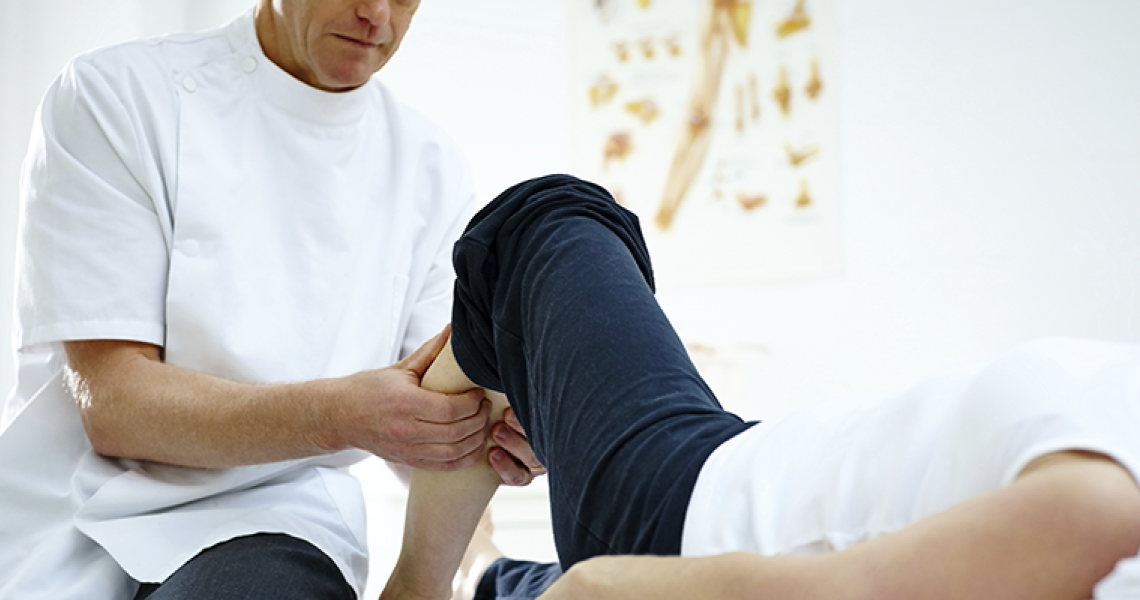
pixel 513 458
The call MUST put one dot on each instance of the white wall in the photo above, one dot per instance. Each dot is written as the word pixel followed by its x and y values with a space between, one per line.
pixel 991 171
pixel 991 181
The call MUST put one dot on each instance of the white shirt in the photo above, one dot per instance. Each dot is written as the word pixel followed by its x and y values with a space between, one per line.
pixel 830 476
pixel 186 192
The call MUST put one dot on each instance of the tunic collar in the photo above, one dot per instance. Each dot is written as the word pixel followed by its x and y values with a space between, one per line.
pixel 289 93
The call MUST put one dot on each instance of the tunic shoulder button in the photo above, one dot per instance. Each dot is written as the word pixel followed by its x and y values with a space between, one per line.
pixel 249 64
pixel 190 84
pixel 190 248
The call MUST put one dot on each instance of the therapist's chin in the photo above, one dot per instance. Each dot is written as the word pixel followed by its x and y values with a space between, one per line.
pixel 342 83
pixel 347 75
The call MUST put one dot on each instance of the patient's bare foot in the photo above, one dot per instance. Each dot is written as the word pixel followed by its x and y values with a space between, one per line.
pixel 480 554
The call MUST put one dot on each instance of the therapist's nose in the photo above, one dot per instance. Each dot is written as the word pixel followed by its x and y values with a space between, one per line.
pixel 376 12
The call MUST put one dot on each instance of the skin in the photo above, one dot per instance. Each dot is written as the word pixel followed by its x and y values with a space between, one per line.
pixel 443 509
pixel 1052 534
pixel 332 45
pixel 134 405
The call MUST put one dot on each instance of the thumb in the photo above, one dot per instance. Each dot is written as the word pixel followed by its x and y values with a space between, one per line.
pixel 419 360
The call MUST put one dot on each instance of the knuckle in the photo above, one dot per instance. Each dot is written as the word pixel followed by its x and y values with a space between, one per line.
pixel 455 432
pixel 442 409
pixel 400 431
pixel 451 453
pixel 457 408
pixel 509 471
pixel 454 452
pixel 506 437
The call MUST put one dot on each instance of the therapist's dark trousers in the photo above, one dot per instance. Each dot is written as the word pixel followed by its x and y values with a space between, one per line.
pixel 554 306
pixel 269 566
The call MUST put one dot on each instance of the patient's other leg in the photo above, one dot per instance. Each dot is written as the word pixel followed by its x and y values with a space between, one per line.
pixel 1052 534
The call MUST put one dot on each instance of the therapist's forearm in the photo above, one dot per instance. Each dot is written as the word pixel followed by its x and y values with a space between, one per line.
pixel 133 405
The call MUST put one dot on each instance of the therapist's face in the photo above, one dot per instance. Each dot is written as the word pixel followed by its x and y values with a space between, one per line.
pixel 333 45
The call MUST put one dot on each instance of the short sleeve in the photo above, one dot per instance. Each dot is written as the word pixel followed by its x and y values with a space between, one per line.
pixel 92 255
pixel 432 306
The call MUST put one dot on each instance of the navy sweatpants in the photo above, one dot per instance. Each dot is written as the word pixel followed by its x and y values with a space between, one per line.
pixel 554 307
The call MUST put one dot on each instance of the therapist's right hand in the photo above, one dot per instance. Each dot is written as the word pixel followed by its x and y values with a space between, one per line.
pixel 391 416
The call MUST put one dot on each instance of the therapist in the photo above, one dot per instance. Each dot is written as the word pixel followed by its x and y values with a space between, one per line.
pixel 231 246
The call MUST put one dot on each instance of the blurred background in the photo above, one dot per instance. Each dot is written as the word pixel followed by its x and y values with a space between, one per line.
pixel 990 189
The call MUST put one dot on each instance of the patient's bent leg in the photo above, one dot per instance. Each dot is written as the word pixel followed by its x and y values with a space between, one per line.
pixel 443 508
pixel 554 306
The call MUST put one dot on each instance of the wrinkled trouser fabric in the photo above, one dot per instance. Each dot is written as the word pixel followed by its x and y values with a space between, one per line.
pixel 269 566
pixel 554 307
pixel 508 579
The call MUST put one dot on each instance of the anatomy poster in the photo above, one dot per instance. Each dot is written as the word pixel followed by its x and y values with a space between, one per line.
pixel 717 122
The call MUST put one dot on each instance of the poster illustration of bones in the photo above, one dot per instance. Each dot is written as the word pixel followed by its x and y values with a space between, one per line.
pixel 717 122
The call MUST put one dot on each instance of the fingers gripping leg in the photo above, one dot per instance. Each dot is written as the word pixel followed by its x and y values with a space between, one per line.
pixel 444 508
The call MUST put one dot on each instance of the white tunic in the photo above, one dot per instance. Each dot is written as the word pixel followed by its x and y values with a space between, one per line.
pixel 830 476
pixel 188 193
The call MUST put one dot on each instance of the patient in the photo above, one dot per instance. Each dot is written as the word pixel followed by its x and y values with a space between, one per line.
pixel 1008 480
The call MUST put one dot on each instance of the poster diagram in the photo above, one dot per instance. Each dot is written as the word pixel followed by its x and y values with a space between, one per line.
pixel 717 122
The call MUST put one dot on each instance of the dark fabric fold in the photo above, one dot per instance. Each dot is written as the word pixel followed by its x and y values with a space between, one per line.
pixel 496 236
pixel 554 306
